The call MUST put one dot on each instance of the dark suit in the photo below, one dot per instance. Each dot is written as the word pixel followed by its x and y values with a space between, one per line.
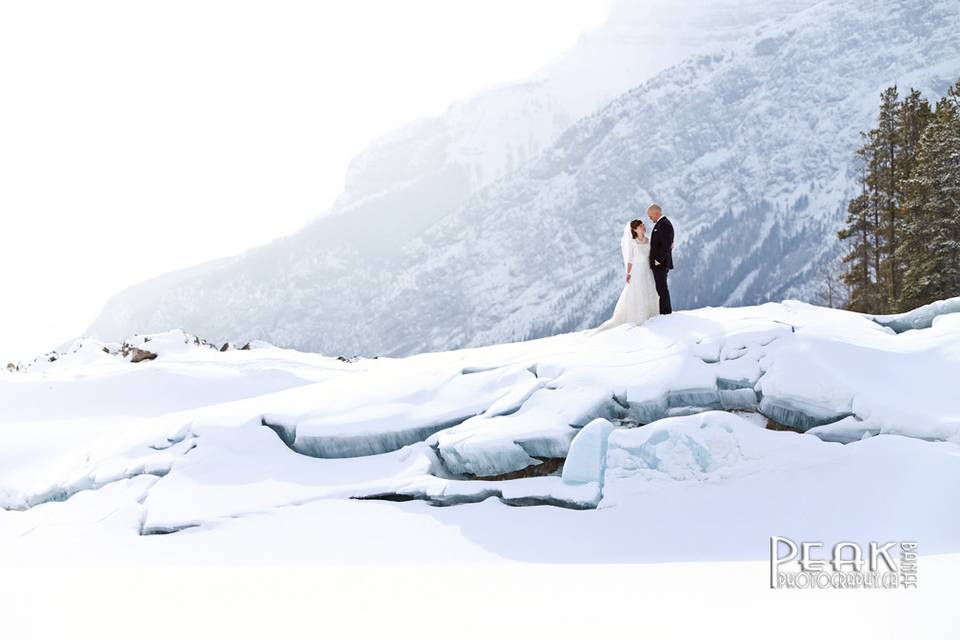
pixel 661 260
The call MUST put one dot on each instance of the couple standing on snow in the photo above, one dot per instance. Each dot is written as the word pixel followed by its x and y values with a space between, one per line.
pixel 647 262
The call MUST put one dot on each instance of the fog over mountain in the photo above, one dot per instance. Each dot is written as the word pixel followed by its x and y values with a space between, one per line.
pixel 500 219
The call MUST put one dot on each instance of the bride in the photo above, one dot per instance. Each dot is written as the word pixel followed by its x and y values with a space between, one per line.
pixel 638 300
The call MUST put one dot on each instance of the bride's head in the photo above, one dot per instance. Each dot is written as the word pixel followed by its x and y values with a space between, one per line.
pixel 638 230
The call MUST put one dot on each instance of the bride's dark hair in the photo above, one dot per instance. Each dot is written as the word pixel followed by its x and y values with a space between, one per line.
pixel 633 227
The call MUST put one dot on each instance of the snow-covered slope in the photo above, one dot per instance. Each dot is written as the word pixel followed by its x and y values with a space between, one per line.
pixel 708 416
pixel 305 290
pixel 749 150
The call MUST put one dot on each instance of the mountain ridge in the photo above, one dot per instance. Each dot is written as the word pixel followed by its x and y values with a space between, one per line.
pixel 339 287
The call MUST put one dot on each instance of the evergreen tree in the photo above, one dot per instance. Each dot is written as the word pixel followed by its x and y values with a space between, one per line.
pixel 874 227
pixel 903 230
pixel 914 116
pixel 931 247
pixel 886 148
pixel 859 232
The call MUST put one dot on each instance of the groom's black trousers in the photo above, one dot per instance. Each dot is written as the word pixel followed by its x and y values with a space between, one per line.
pixel 660 279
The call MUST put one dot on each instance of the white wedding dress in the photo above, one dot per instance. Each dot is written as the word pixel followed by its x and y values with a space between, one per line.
pixel 639 300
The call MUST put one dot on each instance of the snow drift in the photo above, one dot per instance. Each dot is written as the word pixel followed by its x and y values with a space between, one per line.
pixel 713 401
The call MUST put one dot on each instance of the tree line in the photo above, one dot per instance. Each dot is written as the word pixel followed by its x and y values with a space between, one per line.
pixel 901 237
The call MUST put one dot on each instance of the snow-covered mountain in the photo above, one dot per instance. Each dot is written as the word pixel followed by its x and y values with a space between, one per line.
pixel 491 134
pixel 750 151
pixel 748 144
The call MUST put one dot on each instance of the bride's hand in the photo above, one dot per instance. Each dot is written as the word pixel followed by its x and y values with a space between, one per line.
pixel 628 278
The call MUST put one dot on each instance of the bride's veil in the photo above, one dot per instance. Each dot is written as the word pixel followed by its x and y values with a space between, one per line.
pixel 625 244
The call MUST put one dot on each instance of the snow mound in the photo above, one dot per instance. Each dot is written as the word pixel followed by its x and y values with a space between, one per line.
pixel 198 437
pixel 919 318
pixel 137 348
pixel 710 447
pixel 81 352
pixel 680 448
pixel 407 410
pixel 889 383
pixel 542 428
pixel 588 451
pixel 707 446
pixel 163 344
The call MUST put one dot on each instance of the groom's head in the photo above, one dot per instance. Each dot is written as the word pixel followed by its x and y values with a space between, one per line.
pixel 654 212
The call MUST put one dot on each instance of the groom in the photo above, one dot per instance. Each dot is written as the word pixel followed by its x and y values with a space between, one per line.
pixel 661 254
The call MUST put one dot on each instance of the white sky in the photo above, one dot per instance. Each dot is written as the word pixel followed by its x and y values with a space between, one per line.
pixel 137 138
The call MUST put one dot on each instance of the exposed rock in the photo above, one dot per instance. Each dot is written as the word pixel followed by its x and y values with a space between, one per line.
pixel 163 531
pixel 139 355
pixel 773 425
pixel 547 467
